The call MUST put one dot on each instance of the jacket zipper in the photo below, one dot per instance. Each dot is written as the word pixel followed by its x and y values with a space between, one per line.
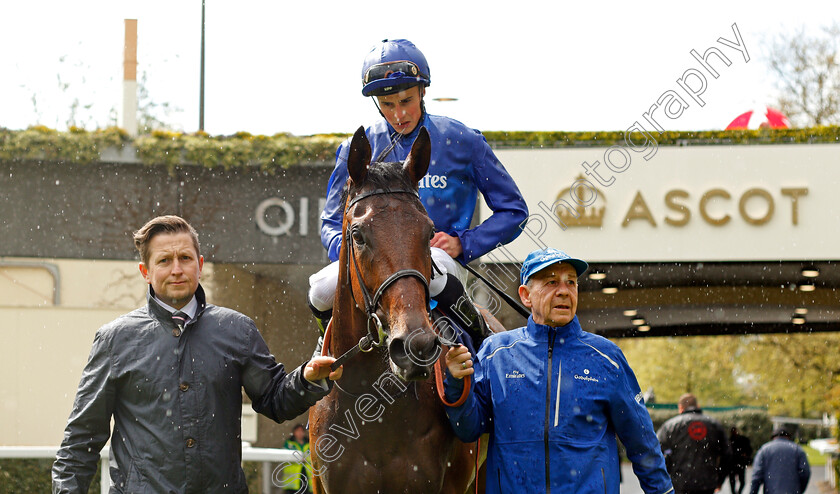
pixel 604 477
pixel 548 412
pixel 557 400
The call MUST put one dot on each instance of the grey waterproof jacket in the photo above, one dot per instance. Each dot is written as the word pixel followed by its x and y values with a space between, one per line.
pixel 176 401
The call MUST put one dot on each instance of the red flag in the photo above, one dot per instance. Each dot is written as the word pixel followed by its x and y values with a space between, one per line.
pixel 776 119
pixel 741 122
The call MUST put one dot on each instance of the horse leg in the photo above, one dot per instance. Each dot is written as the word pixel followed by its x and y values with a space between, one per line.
pixel 317 488
pixel 461 468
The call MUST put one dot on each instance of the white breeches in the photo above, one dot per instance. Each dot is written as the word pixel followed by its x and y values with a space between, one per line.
pixel 322 284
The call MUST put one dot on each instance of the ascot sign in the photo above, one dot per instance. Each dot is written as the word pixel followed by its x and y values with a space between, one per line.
pixel 673 201
pixel 691 203
pixel 583 205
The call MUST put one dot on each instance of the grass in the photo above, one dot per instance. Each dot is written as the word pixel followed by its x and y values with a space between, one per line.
pixel 814 457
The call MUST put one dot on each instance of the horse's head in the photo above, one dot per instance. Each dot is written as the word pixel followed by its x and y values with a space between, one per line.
pixel 386 250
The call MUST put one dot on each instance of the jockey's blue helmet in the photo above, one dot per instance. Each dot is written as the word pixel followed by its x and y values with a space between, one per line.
pixel 392 66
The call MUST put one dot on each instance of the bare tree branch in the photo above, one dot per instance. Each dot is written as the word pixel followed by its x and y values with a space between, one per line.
pixel 807 71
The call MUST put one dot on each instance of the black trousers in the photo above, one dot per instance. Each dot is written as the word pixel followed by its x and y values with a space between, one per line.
pixel 740 474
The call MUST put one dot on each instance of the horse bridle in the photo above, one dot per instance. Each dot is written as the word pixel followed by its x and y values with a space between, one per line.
pixel 371 302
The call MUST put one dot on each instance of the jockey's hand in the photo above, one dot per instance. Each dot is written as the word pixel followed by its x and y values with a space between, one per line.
pixel 449 244
pixel 459 362
pixel 319 368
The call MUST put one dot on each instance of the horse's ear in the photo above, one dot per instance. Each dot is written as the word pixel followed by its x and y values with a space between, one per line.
pixel 359 157
pixel 417 163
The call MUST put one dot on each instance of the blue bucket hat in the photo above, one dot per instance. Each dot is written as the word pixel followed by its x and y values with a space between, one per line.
pixel 540 259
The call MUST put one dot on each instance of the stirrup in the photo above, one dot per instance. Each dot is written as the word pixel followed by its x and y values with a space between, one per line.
pixel 477 326
pixel 322 318
pixel 454 302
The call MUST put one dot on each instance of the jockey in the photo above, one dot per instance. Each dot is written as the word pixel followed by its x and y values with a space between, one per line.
pixel 395 73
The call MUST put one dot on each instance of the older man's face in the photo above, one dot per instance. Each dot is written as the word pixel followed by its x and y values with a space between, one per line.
pixel 552 295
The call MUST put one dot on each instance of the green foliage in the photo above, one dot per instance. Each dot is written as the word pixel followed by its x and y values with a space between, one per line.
pixel 253 474
pixel 40 143
pixel 670 138
pixel 701 365
pixel 32 476
pixel 269 153
pixel 791 375
pixel 242 149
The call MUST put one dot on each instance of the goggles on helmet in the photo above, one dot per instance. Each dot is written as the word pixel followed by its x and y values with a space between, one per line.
pixel 393 70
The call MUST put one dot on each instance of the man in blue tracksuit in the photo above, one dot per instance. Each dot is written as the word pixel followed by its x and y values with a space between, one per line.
pixel 395 74
pixel 553 397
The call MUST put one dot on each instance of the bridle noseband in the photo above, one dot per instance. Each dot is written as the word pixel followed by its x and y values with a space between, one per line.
pixel 371 302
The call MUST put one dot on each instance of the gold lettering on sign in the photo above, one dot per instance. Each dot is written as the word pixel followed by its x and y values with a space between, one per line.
pixel 708 196
pixel 677 207
pixel 794 193
pixel 742 206
pixel 639 210
pixel 678 212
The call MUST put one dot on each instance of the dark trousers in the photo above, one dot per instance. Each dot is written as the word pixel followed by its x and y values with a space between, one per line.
pixel 739 473
pixel 710 491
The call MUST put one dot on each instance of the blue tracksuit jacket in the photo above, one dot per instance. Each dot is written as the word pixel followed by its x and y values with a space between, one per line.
pixel 556 432
pixel 462 165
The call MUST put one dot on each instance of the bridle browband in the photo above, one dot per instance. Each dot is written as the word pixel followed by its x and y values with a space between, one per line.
pixel 371 302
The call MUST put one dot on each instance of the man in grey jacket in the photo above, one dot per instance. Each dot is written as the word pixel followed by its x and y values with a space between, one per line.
pixel 781 466
pixel 170 374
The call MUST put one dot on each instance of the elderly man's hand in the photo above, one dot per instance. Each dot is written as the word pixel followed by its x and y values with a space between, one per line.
pixel 319 368
pixel 459 362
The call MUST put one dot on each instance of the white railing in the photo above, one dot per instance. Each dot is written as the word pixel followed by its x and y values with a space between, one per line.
pixel 266 456
pixel 831 450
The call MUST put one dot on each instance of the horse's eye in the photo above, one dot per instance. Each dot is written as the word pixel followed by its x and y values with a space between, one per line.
pixel 358 238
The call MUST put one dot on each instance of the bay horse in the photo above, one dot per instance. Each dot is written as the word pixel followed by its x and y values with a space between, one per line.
pixel 382 428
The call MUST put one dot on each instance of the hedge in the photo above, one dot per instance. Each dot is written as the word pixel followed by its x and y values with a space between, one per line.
pixel 270 153
pixel 33 476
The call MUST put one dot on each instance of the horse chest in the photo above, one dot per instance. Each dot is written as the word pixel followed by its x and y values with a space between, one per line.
pixel 381 455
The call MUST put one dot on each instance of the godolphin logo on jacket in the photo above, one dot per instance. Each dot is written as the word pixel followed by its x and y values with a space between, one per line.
pixel 586 377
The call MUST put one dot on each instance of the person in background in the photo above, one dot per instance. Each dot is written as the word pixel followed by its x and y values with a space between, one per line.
pixel 297 477
pixel 695 448
pixel 170 374
pixel 781 466
pixel 741 458
pixel 553 397
pixel 395 75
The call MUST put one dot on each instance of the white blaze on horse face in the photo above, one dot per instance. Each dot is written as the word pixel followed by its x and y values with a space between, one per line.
pixel 403 110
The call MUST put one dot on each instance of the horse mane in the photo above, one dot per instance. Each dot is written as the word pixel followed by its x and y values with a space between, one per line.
pixel 388 176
